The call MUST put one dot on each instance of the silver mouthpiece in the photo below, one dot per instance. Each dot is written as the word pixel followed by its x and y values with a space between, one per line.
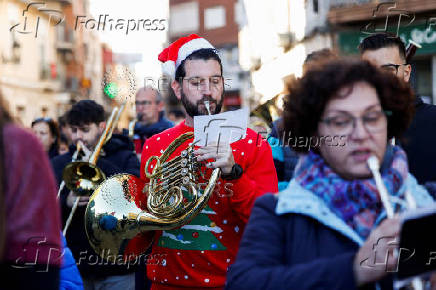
pixel 206 104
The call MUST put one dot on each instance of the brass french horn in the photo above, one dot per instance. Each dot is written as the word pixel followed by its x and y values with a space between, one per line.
pixel 115 216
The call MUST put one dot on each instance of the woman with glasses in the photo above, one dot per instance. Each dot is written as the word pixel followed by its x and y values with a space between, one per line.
pixel 327 229
pixel 48 133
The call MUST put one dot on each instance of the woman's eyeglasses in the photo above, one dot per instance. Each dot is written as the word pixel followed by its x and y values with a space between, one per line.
pixel 344 124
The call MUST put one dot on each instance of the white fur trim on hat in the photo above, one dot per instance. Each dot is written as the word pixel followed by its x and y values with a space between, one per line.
pixel 191 46
pixel 169 68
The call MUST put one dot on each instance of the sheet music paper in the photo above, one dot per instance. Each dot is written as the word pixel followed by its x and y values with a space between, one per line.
pixel 223 128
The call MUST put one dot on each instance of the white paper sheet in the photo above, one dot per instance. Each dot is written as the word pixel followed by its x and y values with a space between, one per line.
pixel 223 128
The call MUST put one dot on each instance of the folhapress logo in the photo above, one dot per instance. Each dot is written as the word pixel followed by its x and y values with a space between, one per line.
pixel 106 23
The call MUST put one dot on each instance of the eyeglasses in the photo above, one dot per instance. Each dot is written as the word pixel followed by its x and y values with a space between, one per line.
pixel 392 68
pixel 344 124
pixel 201 83
pixel 143 103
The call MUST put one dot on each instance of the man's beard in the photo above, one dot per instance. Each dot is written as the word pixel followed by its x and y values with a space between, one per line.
pixel 193 109
pixel 139 117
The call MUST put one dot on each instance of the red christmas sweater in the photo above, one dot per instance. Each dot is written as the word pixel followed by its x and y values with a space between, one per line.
pixel 197 254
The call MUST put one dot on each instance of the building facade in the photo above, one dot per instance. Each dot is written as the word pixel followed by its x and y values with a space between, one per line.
pixel 46 63
pixel 274 40
pixel 277 35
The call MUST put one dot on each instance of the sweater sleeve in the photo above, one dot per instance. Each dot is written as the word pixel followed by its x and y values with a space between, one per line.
pixel 259 177
pixel 260 262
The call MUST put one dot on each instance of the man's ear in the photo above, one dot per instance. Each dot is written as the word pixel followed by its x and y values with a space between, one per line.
pixel 101 127
pixel 177 88
pixel 407 72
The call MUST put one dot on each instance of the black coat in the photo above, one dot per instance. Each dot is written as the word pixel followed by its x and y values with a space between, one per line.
pixel 419 143
pixel 118 157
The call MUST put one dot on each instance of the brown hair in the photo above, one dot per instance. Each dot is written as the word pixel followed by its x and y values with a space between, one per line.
pixel 54 131
pixel 309 95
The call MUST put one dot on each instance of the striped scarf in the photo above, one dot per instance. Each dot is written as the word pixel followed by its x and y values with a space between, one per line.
pixel 356 202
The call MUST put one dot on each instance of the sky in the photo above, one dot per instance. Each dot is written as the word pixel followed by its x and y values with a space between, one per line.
pixel 149 43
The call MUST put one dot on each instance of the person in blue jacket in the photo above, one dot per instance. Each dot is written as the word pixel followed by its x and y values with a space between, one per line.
pixel 70 278
pixel 323 231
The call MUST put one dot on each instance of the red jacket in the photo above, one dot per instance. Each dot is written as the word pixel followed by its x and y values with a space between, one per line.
pixel 198 254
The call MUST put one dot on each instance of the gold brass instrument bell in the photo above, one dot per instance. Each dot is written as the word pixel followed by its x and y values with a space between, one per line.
pixel 115 214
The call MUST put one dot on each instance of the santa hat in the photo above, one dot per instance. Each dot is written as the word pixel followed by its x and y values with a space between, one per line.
pixel 178 51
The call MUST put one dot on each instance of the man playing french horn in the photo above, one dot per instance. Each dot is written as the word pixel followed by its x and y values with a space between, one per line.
pixel 87 121
pixel 198 253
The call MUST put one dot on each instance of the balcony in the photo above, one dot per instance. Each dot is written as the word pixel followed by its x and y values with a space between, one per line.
pixel 347 3
pixel 65 38
pixel 347 11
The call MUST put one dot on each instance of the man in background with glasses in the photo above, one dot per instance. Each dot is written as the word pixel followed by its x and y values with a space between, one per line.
pixel 388 52
pixel 149 106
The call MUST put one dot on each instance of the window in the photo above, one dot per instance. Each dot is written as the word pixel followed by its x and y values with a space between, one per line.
pixel 315 6
pixel 12 51
pixel 214 17
pixel 239 13
pixel 184 18
pixel 44 69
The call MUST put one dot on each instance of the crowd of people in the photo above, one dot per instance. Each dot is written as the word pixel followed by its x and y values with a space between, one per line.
pixel 299 216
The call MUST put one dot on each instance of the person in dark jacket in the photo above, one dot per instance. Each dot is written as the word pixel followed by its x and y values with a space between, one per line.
pixel 319 233
pixel 87 122
pixel 388 51
pixel 150 116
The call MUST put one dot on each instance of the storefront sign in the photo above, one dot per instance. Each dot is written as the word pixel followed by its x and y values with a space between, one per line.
pixel 423 34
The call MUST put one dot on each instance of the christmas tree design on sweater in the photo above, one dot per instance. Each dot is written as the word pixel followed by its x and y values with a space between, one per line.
pixel 197 235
